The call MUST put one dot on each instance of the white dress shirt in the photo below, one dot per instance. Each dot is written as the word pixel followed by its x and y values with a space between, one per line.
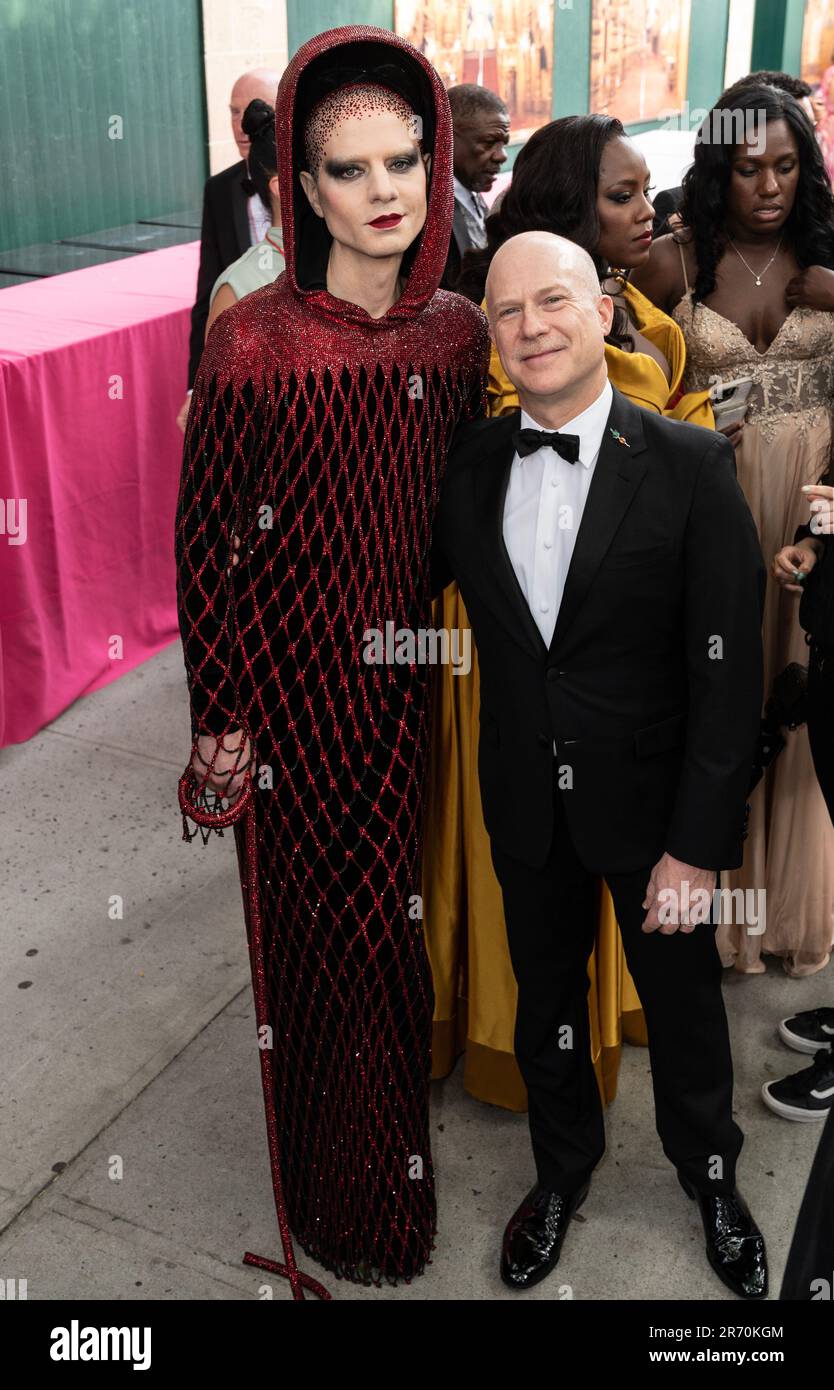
pixel 543 507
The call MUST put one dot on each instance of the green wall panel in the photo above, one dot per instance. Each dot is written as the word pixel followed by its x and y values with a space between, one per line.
pixel 768 34
pixel 792 41
pixel 308 17
pixel 777 35
pixel 707 53
pixel 67 67
pixel 571 57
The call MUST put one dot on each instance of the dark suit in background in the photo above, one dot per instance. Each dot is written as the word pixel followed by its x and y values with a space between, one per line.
pixel 654 739
pixel 468 233
pixel 223 237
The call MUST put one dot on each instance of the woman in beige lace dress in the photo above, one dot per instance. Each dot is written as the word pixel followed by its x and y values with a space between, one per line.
pixel 750 280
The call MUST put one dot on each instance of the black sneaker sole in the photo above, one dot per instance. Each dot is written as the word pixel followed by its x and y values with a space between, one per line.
pixel 798 1043
pixel 791 1112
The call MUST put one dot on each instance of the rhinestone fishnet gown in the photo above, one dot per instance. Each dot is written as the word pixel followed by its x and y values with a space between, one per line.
pixel 318 435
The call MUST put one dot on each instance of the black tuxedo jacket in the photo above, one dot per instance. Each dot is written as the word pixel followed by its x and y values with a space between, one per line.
pixel 652 685
pixel 224 237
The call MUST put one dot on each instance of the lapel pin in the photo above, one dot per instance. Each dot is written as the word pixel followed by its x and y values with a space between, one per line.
pixel 620 438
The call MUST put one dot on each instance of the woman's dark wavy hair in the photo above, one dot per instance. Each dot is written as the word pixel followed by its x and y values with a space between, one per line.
pixel 553 189
pixel 810 225
pixel 258 122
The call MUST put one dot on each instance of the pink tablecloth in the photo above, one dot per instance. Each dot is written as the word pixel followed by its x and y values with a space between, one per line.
pixel 92 373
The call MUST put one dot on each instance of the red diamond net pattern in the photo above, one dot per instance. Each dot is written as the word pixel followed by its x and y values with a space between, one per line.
pixel 330 482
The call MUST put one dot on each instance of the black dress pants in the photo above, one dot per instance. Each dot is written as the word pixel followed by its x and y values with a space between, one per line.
pixel 551 922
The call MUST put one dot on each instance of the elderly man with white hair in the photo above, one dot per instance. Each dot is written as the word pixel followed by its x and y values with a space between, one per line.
pixel 613 578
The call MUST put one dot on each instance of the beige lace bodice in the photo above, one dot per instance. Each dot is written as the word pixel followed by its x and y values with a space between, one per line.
pixel 793 378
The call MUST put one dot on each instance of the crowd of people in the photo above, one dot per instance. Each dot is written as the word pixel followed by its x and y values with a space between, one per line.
pixel 594 429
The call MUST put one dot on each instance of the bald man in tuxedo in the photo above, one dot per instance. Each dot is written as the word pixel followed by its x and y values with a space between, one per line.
pixel 612 575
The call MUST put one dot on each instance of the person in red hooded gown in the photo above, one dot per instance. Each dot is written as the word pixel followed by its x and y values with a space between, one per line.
pixel 314 453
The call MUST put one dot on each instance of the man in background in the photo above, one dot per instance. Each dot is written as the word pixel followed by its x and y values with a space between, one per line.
pixel 481 125
pixel 234 216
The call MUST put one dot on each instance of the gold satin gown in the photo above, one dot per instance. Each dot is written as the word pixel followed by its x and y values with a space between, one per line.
pixel 463 915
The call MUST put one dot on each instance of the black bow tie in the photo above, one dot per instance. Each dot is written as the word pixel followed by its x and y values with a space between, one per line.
pixel 528 441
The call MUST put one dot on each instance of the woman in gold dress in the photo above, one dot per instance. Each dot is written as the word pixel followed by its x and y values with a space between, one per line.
pixel 583 179
pixel 749 277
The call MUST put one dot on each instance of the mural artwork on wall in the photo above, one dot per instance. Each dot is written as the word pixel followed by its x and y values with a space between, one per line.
pixel 817 39
pixel 639 52
pixel 506 45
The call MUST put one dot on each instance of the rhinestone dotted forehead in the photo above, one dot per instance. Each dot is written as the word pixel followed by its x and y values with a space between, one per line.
pixel 354 100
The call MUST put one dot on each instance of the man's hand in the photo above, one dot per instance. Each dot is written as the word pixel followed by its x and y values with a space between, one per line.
pixel 231 756
pixel 673 898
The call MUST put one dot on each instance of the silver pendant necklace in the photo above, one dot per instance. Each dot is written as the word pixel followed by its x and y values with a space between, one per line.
pixel 757 276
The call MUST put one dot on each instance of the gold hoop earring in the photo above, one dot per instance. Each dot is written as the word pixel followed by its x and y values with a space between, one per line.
pixel 620 278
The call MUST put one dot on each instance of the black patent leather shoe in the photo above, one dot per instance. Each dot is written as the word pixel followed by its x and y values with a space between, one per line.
pixel 735 1245
pixel 534 1235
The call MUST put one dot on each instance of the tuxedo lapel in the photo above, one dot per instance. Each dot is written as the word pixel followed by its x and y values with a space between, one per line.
pixel 618 473
pixel 492 477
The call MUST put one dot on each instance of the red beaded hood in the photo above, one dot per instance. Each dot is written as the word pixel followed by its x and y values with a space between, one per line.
pixel 370 49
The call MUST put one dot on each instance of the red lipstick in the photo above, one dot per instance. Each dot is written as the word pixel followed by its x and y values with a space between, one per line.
pixel 390 219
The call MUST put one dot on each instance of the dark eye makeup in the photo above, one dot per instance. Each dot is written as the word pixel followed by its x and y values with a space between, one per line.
pixel 341 169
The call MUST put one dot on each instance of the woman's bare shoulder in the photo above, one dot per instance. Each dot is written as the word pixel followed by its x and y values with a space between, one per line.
pixel 661 279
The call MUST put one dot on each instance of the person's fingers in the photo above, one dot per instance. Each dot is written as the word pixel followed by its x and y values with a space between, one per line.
pixel 784 573
pixel 651 891
pixel 696 917
pixel 787 559
pixel 225 771
pixel 235 556
pixel 651 921
pixel 734 432
pixel 788 563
